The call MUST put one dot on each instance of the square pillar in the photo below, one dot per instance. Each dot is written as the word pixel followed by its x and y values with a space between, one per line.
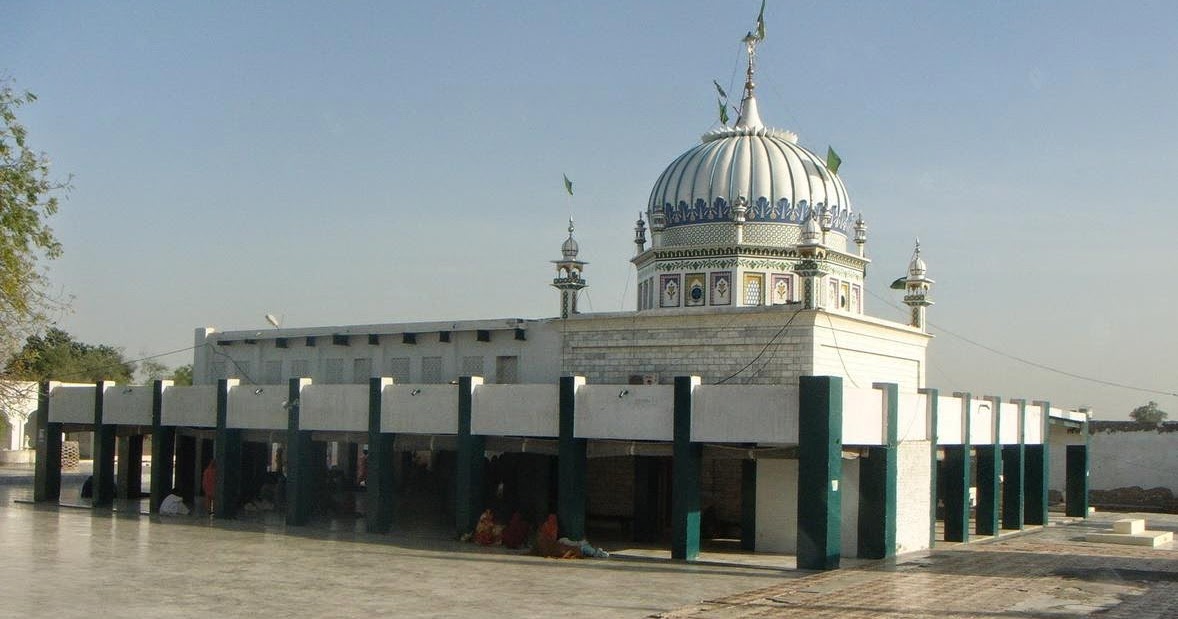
pixel 163 448
pixel 748 504
pixel 47 473
pixel 381 499
pixel 130 467
pixel 300 460
pixel 877 485
pixel 646 499
pixel 468 476
pixel 956 468
pixel 571 462
pixel 990 473
pixel 104 451
pixel 820 471
pixel 685 472
pixel 931 406
pixel 227 453
pixel 1013 466
pixel 1076 494
pixel 1037 473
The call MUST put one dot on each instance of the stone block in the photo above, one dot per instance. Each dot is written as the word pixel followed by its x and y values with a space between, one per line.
pixel 1129 526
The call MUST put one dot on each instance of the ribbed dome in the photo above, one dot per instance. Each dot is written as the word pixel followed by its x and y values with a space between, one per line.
pixel 780 180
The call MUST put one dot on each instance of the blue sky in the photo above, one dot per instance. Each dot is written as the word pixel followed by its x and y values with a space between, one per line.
pixel 354 163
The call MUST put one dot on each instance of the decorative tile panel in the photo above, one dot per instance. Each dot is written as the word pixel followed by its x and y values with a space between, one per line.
pixel 721 287
pixel 782 290
pixel 670 291
pixel 696 285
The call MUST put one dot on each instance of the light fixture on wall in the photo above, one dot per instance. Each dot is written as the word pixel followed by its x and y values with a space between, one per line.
pixel 274 321
pixel 623 393
pixel 415 392
pixel 127 390
pixel 258 391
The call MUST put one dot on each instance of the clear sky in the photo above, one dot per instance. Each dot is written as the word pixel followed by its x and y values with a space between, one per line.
pixel 343 163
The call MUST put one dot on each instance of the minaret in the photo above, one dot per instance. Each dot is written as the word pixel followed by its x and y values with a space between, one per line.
pixel 639 236
pixel 568 278
pixel 916 290
pixel 860 234
pixel 810 269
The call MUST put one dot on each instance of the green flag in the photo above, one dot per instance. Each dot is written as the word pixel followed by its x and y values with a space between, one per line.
pixel 568 185
pixel 833 161
pixel 723 112
pixel 723 95
pixel 761 23
pixel 900 283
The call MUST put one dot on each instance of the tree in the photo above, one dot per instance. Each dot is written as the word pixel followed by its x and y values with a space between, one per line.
pixel 57 356
pixel 28 197
pixel 1148 413
pixel 182 375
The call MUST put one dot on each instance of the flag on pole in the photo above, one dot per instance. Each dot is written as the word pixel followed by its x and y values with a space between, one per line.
pixel 723 111
pixel 761 23
pixel 723 95
pixel 568 185
pixel 833 161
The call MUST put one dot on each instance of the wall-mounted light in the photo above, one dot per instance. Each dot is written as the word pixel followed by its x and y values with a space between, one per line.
pixel 623 393
pixel 127 390
pixel 289 404
pixel 258 391
pixel 415 392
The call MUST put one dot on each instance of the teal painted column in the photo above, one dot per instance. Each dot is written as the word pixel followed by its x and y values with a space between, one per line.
pixel 1076 496
pixel 468 477
pixel 748 504
pixel 957 478
pixel 1013 466
pixel 129 480
pixel 1038 470
pixel 300 461
pixel 877 485
pixel 47 472
pixel 104 451
pixel 381 498
pixel 820 472
pixel 646 489
pixel 686 461
pixel 227 453
pixel 990 474
pixel 163 448
pixel 572 457
pixel 931 397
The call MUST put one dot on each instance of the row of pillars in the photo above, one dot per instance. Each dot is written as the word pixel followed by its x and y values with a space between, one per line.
pixel 1012 480
pixel 819 469
pixel 1024 498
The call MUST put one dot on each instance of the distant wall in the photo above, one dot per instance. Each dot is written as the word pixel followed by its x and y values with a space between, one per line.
pixel 1133 454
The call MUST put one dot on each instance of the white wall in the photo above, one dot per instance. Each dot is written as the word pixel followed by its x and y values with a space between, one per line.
pixel 863 416
pixel 1008 426
pixel 71 403
pixel 129 405
pixel 981 428
pixel 745 414
pixel 516 410
pixel 190 406
pixel 334 408
pixel 419 409
pixel 913 417
pixel 634 412
pixel 914 493
pixel 777 505
pixel 949 427
pixel 849 489
pixel 256 407
pixel 1147 458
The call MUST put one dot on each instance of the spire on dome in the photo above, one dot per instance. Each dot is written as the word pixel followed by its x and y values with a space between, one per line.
pixel 570 248
pixel 749 117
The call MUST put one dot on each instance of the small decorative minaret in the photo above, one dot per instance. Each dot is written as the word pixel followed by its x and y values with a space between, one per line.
pixel 916 290
pixel 639 236
pixel 813 256
pixel 860 234
pixel 568 278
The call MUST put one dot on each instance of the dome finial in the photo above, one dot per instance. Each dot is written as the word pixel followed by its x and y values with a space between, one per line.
pixel 748 105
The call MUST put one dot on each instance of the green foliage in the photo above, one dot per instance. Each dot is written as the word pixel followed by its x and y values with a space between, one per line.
pixel 1148 413
pixel 182 375
pixel 57 356
pixel 27 200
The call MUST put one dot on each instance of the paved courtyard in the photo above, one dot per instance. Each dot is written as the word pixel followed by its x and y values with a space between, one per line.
pixel 70 562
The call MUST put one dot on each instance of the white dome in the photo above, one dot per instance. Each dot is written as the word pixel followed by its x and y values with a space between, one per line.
pixel 781 181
